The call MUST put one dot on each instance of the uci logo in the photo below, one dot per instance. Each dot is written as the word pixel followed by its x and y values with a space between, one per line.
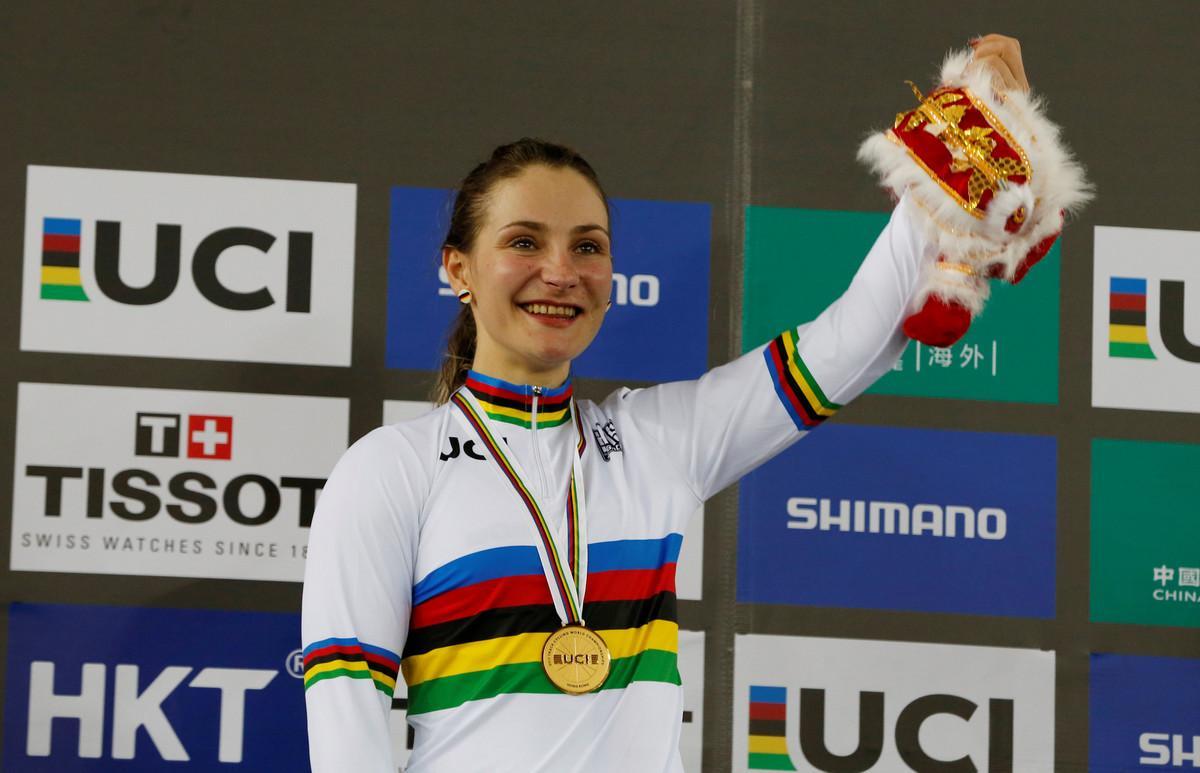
pixel 61 266
pixel 1127 334
pixel 467 448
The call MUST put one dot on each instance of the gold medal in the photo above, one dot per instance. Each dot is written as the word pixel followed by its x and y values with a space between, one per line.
pixel 576 659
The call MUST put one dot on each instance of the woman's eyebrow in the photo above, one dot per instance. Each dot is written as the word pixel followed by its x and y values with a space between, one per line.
pixel 533 225
pixel 590 227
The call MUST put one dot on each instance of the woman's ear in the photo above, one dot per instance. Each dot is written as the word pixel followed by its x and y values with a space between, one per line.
pixel 457 270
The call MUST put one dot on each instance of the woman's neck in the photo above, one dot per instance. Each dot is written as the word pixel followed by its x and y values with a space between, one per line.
pixel 520 373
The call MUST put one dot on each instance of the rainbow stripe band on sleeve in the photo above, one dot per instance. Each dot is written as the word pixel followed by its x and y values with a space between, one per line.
pixel 329 658
pixel 797 389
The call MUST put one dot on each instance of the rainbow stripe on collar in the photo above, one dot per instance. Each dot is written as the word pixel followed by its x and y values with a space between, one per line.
pixel 513 403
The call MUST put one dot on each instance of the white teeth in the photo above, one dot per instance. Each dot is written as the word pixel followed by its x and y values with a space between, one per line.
pixel 555 311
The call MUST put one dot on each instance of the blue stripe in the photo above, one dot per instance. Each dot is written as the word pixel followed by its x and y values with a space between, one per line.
pixel 768 694
pixel 57 226
pixel 521 389
pixel 1120 284
pixel 351 642
pixel 519 560
pixel 777 382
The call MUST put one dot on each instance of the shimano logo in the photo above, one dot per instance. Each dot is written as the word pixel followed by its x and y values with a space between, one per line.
pixel 1167 749
pixel 870 517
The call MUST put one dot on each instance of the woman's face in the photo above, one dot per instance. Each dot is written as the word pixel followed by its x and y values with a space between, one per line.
pixel 540 272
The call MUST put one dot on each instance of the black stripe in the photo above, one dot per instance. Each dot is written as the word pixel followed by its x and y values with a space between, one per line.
pixel 60 259
pixel 351 658
pixel 790 383
pixel 767 727
pixel 1125 317
pixel 538 618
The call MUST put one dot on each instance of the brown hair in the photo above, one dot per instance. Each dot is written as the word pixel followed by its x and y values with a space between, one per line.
pixel 470 208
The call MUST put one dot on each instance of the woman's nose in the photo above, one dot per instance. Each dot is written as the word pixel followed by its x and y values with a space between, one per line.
pixel 559 269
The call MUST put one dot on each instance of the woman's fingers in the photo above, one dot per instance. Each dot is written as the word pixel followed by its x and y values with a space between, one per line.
pixel 1002 54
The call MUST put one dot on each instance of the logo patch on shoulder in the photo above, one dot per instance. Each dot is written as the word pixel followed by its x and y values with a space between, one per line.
pixel 607 440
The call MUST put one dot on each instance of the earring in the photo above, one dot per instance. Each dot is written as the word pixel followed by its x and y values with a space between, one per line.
pixel 464 296
pixel 609 306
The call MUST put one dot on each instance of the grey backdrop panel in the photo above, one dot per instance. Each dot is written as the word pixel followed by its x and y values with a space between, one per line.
pixel 731 103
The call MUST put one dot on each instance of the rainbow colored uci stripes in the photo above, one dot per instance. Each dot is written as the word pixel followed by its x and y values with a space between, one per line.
pixel 1127 319
pixel 767 745
pixel 328 658
pixel 797 389
pixel 60 260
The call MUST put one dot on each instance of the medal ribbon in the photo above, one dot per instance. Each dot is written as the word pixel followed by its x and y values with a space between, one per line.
pixel 567 574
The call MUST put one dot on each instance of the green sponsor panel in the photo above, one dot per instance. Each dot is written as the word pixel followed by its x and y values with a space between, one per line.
pixel 1145 533
pixel 798 261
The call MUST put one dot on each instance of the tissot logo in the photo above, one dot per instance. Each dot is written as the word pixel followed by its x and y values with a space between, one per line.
pixel 1146 319
pixel 848 706
pixel 218 267
pixel 108 481
pixel 148 689
pixel 209 437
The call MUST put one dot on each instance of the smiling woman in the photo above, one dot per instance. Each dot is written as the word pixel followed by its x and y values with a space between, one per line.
pixel 525 587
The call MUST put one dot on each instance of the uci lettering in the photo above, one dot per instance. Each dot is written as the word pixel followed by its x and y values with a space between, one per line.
pixel 907 733
pixel 468 448
pixel 190 500
pixel 133 710
pixel 1170 322
pixel 167 258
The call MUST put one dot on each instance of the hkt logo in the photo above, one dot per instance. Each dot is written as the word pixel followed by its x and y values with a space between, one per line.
pixel 209 437
pixel 768 748
pixel 61 280
pixel 860 516
pixel 134 709
pixel 1127 320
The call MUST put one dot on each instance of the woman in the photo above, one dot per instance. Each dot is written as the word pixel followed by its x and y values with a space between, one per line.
pixel 512 552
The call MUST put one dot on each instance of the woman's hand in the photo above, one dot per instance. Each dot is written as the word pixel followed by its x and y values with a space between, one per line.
pixel 1001 56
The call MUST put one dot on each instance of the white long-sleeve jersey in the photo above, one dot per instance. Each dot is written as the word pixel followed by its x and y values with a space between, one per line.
pixel 422 561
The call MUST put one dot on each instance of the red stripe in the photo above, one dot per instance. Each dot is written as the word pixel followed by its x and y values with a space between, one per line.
pixel 768 711
pixel 521 590
pixel 340 649
pixel 776 355
pixel 60 243
pixel 555 403
pixel 630 584
pixel 1126 302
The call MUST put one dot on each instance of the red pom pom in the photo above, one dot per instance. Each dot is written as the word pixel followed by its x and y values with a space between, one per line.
pixel 938 323
pixel 1033 256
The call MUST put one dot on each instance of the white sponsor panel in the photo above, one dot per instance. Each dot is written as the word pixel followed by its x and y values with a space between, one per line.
pixel 847 704
pixel 689 574
pixel 1146 319
pixel 691 740
pixel 192 266
pixel 117 480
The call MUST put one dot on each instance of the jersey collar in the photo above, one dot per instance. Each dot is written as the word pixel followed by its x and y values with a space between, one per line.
pixel 513 403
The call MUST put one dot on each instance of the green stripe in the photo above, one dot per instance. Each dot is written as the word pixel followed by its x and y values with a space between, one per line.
pixel 771 762
pixel 450 691
pixel 382 687
pixel 808 377
pixel 1141 351
pixel 526 423
pixel 63 293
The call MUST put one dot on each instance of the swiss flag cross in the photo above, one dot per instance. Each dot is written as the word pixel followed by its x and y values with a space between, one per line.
pixel 210 437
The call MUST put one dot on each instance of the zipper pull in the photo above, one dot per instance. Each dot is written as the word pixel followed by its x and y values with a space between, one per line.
pixel 537 390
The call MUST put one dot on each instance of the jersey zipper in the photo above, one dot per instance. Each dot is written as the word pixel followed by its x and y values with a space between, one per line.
pixel 537 459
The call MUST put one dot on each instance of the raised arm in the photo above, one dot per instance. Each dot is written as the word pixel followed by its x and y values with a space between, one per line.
pixel 357 602
pixel 983 184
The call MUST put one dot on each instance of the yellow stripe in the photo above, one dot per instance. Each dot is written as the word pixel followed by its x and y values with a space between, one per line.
pixel 1127 334
pixel 768 744
pixel 813 400
pixel 60 275
pixel 349 665
pixel 517 413
pixel 527 648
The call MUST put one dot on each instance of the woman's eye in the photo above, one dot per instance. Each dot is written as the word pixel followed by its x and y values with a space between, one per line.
pixel 522 243
pixel 589 248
